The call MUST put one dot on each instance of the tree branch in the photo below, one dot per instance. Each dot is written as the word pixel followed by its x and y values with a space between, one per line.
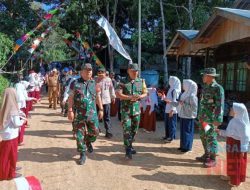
pixel 174 6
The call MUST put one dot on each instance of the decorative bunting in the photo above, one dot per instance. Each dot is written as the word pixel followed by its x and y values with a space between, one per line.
pixel 38 40
pixel 25 37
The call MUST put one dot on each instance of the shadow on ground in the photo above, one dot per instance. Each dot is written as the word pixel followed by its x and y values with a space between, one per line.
pixel 210 181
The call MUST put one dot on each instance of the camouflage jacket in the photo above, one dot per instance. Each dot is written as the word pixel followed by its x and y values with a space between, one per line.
pixel 84 97
pixel 131 87
pixel 212 103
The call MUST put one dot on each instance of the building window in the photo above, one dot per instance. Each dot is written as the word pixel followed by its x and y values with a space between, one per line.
pixel 230 76
pixel 220 68
pixel 241 77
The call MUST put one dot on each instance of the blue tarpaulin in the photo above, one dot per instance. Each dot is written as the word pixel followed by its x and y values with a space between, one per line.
pixel 151 77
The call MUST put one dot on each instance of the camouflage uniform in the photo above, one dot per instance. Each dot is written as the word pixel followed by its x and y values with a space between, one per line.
pixel 63 84
pixel 211 110
pixel 85 123
pixel 130 111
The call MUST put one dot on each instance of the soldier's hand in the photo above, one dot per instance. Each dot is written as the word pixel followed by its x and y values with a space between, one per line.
pixel 71 116
pixel 135 98
pixel 217 131
pixel 216 123
pixel 100 114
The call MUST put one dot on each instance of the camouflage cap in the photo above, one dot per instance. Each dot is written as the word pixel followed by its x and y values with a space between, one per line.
pixel 101 68
pixel 86 66
pixel 210 71
pixel 133 66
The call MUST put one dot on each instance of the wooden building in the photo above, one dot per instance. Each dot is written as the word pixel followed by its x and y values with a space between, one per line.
pixel 224 43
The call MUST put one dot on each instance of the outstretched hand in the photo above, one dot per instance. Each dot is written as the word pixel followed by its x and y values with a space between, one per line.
pixel 71 116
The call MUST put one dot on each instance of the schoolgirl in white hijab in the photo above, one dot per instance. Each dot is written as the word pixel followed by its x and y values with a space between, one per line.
pixel 188 103
pixel 187 107
pixel 238 137
pixel 239 126
pixel 170 110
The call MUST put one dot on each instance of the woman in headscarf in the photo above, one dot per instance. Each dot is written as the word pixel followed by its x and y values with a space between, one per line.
pixel 170 110
pixel 10 121
pixel 187 107
pixel 238 137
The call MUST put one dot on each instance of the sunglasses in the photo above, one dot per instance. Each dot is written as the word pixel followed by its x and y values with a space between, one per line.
pixel 100 71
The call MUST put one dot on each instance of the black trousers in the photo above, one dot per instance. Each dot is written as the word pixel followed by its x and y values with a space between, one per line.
pixel 106 117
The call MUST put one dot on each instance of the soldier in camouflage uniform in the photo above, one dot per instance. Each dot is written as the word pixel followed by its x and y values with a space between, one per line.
pixel 62 89
pixel 84 94
pixel 130 91
pixel 210 115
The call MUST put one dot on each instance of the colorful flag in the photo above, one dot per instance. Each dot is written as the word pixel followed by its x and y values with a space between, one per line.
pixel 51 14
pixel 25 37
pixel 114 40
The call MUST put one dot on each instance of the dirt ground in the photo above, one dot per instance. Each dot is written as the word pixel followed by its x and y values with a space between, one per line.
pixel 49 153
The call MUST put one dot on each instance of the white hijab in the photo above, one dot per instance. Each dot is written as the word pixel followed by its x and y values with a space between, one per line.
pixel 239 126
pixel 175 84
pixel 190 88
pixel 20 97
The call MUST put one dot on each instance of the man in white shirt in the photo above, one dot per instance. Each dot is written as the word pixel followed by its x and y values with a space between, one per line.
pixel 107 96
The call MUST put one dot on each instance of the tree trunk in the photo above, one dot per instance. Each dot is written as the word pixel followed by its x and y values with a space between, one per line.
pixel 112 49
pixel 191 21
pixel 165 61
pixel 109 47
pixel 190 12
pixel 188 62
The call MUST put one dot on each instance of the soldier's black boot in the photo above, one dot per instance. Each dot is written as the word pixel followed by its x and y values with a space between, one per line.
pixel 133 151
pixel 82 158
pixel 128 153
pixel 89 147
pixel 210 163
pixel 201 158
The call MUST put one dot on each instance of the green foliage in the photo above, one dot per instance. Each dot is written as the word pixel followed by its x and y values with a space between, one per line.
pixel 54 48
pixel 200 15
pixel 148 39
pixel 6 46
pixel 4 83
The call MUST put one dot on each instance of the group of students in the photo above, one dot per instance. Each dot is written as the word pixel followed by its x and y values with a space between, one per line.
pixel 185 106
pixel 182 102
pixel 16 104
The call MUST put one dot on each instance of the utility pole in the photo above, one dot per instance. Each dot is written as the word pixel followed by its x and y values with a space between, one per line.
pixel 139 36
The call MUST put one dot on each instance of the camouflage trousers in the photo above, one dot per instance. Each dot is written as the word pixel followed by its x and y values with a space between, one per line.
pixel 86 132
pixel 130 126
pixel 209 141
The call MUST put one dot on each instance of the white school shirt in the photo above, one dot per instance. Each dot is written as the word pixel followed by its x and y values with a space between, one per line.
pixel 172 96
pixel 11 129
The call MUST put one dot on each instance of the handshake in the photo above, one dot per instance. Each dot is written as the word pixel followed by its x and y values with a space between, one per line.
pixel 134 98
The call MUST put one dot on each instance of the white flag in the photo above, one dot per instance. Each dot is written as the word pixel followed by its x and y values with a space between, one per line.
pixel 114 40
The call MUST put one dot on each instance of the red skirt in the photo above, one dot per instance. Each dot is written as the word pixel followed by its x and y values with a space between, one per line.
pixel 8 159
pixel 29 105
pixel 148 120
pixel 141 119
pixel 21 134
pixel 114 108
pixel 236 163
pixel 37 95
